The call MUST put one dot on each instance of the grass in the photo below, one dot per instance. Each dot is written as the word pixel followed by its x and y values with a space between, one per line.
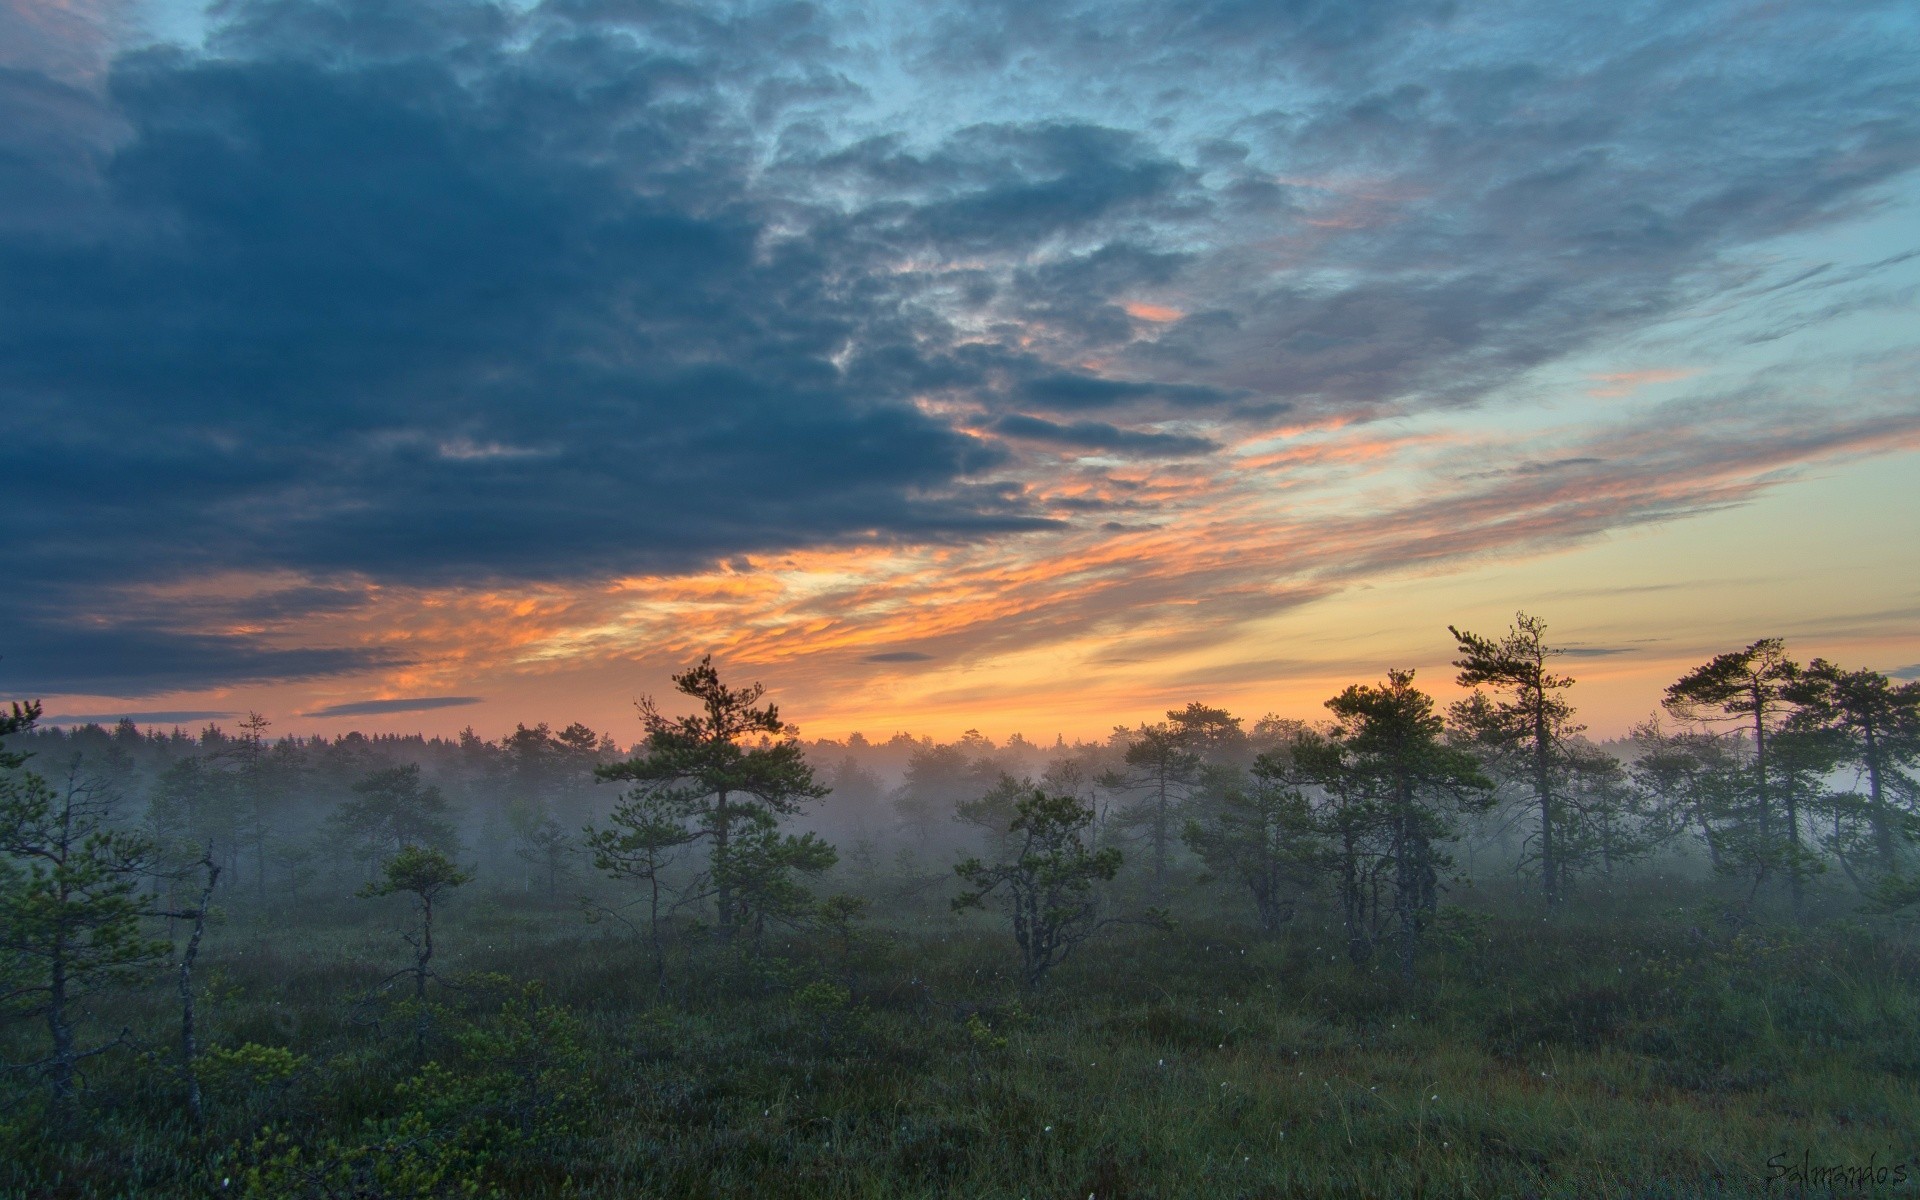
pixel 1615 1051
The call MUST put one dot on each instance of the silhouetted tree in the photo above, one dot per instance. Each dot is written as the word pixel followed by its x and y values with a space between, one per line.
pixel 1263 836
pixel 1694 778
pixel 391 809
pixel 732 769
pixel 1748 687
pixel 1160 770
pixel 1877 725
pixel 648 832
pixel 941 777
pixel 541 842
pixel 1534 717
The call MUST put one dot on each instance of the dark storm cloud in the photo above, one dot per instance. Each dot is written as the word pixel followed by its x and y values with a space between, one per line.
pixel 1005 187
pixel 134 658
pixel 383 292
pixel 371 708
pixel 1095 435
pixel 1076 391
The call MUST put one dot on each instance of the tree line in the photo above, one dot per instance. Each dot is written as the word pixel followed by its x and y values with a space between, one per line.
pixel 1770 772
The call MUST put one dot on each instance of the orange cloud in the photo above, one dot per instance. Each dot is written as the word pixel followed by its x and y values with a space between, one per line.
pixel 1145 603
pixel 1625 383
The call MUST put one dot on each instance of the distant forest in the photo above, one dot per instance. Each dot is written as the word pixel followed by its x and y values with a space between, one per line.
pixel 1755 766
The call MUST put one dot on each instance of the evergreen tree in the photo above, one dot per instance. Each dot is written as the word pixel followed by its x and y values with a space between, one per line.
pixel 1533 719
pixel 425 874
pixel 1161 770
pixel 732 769
pixel 1048 881
pixel 1748 687
pixel 1387 759
pixel 71 908
pixel 391 809
pixel 1263 836
pixel 1876 725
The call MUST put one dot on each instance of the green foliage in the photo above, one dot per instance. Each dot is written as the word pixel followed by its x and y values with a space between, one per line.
pixel 248 1065
pixel 1048 882
pixel 1396 788
pixel 1582 814
pixel 724 775
pixel 72 908
pixel 397 1159
pixel 425 874
pixel 1162 769
pixel 1264 836
pixel 515 1077
pixel 1861 718
pixel 419 871
pixel 392 809
pixel 1747 688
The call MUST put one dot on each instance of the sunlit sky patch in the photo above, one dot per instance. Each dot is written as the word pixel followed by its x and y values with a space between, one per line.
pixel 1020 367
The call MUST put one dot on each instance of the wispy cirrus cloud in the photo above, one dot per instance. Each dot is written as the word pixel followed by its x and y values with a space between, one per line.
pixel 375 708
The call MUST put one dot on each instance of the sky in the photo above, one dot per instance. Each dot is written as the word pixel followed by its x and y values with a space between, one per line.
pixel 1021 367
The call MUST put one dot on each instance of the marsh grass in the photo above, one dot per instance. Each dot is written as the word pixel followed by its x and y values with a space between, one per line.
pixel 1620 1051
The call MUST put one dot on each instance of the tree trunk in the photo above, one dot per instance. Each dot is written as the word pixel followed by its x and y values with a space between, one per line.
pixel 1406 882
pixel 1760 766
pixel 1877 815
pixel 1796 884
pixel 1160 839
pixel 420 976
pixel 722 871
pixel 60 1030
pixel 189 1045
pixel 1359 944
pixel 1543 789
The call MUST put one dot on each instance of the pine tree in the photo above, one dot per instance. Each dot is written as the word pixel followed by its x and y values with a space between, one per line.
pixel 425 874
pixel 1876 726
pixel 732 769
pixel 1748 687
pixel 1048 881
pixel 1263 835
pixel 1387 760
pixel 71 903
pixel 1161 769
pixel 1534 719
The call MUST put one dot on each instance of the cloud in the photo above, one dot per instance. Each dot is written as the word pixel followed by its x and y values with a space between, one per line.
pixel 370 708
pixel 1095 435
pixel 49 656
pixel 183 716
pixel 1079 391
pixel 898 656
pixel 1909 672
pixel 474 299
pixel 420 302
